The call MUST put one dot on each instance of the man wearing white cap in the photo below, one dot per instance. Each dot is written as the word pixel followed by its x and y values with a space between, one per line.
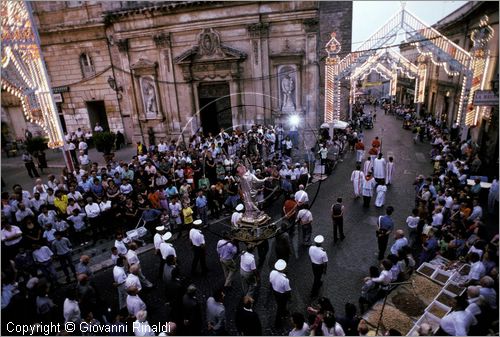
pixel 281 289
pixel 237 215
pixel 319 260
pixel 198 243
pixel 167 248
pixel 157 240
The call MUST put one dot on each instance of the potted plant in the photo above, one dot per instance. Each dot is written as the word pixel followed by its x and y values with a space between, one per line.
pixel 104 142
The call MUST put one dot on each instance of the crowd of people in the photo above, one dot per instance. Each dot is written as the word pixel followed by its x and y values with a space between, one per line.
pixel 177 189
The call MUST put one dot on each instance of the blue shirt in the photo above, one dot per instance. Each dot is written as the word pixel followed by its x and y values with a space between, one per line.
pixel 201 201
pixel 386 223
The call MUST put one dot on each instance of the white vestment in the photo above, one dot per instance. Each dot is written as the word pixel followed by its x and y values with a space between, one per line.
pixel 367 167
pixel 389 171
pixel 379 168
pixel 357 178
pixel 380 200
pixel 368 186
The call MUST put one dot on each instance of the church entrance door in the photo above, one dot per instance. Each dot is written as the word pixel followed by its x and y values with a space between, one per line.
pixel 215 107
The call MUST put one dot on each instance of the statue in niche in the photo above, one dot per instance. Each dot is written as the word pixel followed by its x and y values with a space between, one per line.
pixel 287 93
pixel 149 97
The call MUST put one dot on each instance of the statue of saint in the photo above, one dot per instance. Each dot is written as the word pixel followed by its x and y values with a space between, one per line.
pixel 149 95
pixel 249 187
pixel 287 88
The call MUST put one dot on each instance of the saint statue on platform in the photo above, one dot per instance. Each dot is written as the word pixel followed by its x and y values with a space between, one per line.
pixel 249 187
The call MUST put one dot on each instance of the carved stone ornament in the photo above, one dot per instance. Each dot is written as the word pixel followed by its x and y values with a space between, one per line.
pixel 144 67
pixel 260 29
pixel 162 40
pixel 209 43
pixel 122 45
pixel 311 25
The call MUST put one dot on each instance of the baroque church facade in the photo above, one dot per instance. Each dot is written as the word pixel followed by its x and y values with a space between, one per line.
pixel 169 69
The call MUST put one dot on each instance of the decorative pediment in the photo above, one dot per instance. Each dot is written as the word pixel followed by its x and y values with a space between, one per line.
pixel 144 67
pixel 209 49
pixel 143 64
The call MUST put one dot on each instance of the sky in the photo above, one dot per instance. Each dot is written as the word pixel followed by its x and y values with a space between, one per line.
pixel 369 16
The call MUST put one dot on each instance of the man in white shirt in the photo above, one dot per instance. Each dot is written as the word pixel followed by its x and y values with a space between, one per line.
pixel 400 242
pixel 120 245
pixel 226 251
pixel 457 322
pixel 132 280
pixel 157 240
pixel 305 219
pixel 248 272
pixel 319 260
pixel 42 255
pixel 477 211
pixel 237 215
pixel 437 217
pixel 301 196
pixel 134 302
pixel 141 326
pixel 281 289
pixel 93 215
pixel 162 146
pixel 167 248
pixel 132 260
pixel 120 276
pixel 71 308
pixel 98 128
pixel 198 244
pixel 477 269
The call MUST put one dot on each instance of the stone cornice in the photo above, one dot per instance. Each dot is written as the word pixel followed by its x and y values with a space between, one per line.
pixel 167 6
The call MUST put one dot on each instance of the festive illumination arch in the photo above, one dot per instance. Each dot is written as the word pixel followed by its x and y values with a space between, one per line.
pixel 428 42
pixel 23 69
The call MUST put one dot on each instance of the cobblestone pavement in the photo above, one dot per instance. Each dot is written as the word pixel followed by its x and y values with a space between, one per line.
pixel 349 260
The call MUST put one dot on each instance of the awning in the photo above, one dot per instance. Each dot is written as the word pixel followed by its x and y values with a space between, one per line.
pixel 340 125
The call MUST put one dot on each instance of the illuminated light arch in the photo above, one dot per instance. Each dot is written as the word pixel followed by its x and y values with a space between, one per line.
pixel 23 70
pixel 428 42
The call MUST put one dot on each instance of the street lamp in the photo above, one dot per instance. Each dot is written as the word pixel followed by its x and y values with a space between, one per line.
pixel 113 85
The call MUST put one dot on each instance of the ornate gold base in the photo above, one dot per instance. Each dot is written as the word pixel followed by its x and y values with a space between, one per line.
pixel 254 230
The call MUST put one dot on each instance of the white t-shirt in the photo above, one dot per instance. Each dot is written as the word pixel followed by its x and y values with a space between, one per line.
pixel 247 262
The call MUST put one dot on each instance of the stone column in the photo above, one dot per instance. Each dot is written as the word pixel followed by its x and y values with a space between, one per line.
pixel 259 33
pixel 163 43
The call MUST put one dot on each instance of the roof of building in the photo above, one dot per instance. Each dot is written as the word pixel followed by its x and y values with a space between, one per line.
pixel 459 14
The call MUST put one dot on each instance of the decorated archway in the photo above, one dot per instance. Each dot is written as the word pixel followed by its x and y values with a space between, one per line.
pixel 429 43
pixel 389 64
pixel 23 69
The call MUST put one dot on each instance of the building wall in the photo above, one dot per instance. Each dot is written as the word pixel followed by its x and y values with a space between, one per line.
pixel 122 39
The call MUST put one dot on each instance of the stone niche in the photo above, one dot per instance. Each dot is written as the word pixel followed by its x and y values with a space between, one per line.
pixel 147 92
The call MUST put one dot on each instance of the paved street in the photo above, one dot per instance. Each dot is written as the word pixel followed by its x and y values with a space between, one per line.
pixel 349 260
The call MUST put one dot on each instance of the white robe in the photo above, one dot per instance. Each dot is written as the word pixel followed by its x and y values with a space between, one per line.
pixel 368 186
pixel 380 200
pixel 367 167
pixel 357 178
pixel 379 168
pixel 389 171
pixel 359 155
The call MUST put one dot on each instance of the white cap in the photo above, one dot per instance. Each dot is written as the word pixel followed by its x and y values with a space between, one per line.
pixel 239 208
pixel 319 239
pixel 197 222
pixel 166 236
pixel 280 265
pixel 160 228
